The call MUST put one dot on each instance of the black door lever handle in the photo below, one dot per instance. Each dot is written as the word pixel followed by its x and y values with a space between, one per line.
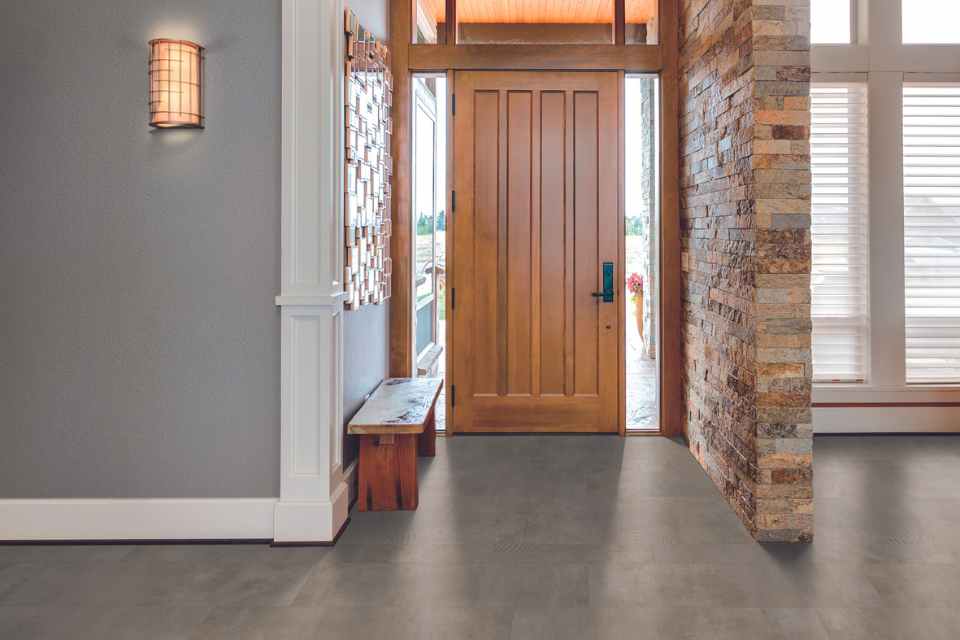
pixel 607 294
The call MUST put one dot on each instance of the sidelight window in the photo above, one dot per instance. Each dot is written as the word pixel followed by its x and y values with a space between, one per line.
pixel 429 222
pixel 641 249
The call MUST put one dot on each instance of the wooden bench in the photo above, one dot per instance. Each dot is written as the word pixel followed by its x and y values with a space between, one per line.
pixel 394 426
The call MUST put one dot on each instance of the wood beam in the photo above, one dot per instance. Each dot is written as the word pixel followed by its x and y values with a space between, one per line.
pixel 525 57
pixel 671 285
pixel 450 23
pixel 401 309
pixel 619 22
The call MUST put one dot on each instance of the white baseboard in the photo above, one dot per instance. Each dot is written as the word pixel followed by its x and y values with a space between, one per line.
pixel 178 518
pixel 137 519
pixel 350 478
pixel 311 521
pixel 920 419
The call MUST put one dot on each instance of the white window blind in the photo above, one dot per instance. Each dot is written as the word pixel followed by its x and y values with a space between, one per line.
pixel 839 230
pixel 931 235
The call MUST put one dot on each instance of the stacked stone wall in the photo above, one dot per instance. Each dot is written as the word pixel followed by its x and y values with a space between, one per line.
pixel 745 231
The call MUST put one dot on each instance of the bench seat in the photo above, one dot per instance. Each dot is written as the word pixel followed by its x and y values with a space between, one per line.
pixel 395 425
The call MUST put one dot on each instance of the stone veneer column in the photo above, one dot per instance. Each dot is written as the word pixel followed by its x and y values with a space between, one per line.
pixel 745 229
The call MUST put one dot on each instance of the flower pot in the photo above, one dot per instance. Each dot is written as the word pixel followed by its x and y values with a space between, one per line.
pixel 638 312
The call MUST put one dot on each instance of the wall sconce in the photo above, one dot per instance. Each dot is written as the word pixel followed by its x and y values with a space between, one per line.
pixel 176 84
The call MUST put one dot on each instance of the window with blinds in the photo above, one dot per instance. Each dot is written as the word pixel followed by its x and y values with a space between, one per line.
pixel 931 233
pixel 839 229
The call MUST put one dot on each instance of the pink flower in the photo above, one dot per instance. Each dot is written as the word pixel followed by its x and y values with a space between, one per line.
pixel 635 284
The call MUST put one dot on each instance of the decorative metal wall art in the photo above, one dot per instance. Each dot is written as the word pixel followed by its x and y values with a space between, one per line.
pixel 369 168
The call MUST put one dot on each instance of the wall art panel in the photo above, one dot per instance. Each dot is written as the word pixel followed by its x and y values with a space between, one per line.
pixel 369 167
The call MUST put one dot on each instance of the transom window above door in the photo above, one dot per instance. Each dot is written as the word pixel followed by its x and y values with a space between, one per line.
pixel 536 21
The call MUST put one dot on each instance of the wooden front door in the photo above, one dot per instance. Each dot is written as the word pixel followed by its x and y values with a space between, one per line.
pixel 536 218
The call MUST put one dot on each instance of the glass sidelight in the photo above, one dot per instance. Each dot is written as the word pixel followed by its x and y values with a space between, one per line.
pixel 429 222
pixel 641 244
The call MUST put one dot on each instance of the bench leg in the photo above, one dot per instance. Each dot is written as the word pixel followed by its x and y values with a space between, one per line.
pixel 388 473
pixel 427 441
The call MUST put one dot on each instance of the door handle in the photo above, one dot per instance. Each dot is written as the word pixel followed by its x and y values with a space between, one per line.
pixel 607 294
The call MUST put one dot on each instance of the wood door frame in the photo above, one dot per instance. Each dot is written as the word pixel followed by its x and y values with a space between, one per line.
pixel 661 59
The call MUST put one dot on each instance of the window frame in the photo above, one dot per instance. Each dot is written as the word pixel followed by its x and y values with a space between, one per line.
pixel 885 403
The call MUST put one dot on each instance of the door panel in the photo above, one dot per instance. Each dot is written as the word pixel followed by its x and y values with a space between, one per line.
pixel 485 239
pixel 518 240
pixel 553 291
pixel 586 260
pixel 536 179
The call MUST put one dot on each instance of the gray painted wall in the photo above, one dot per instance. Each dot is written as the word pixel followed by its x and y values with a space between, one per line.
pixel 366 333
pixel 366 338
pixel 139 342
pixel 374 15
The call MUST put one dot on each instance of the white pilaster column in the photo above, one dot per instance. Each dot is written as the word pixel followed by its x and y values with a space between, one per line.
pixel 314 498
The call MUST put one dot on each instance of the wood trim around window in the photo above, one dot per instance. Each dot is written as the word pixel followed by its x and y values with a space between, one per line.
pixel 671 287
pixel 409 58
pixel 401 301
pixel 880 405
pixel 534 57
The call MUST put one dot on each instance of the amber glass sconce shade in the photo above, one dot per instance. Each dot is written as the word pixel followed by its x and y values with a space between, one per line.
pixel 176 84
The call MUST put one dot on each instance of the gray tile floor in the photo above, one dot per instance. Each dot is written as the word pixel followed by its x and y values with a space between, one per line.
pixel 545 537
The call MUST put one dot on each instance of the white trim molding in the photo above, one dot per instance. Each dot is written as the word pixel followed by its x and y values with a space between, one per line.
pixel 314 490
pixel 138 519
pixel 168 519
pixel 886 419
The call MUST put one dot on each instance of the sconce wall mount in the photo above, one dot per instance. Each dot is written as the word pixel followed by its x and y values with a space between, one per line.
pixel 176 84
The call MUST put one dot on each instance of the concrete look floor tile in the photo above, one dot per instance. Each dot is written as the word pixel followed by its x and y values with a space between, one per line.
pixel 427 622
pixel 278 623
pixel 668 622
pixel 163 622
pixel 891 623
pixel 65 555
pixel 545 537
